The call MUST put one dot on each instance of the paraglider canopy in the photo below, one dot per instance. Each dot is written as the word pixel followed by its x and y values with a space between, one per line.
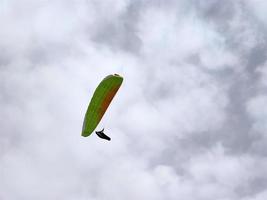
pixel 102 97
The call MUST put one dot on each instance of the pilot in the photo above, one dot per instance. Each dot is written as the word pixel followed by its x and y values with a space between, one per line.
pixel 102 135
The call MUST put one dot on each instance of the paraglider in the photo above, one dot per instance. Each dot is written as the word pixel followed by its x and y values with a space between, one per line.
pixel 102 97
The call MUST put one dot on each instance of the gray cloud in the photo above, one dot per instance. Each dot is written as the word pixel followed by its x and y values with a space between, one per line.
pixel 188 122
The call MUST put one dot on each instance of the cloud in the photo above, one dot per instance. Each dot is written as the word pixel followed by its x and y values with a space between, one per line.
pixel 187 123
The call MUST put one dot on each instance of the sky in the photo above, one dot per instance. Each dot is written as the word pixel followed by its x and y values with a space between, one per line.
pixel 188 123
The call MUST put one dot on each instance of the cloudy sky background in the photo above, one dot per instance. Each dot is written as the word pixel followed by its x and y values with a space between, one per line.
pixel 189 121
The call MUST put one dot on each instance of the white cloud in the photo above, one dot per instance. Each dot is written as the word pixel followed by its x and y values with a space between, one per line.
pixel 259 9
pixel 258 112
pixel 167 119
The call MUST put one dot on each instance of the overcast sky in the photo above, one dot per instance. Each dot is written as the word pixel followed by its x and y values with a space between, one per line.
pixel 189 122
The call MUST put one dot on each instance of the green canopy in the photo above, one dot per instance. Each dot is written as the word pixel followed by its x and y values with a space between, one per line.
pixel 100 101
